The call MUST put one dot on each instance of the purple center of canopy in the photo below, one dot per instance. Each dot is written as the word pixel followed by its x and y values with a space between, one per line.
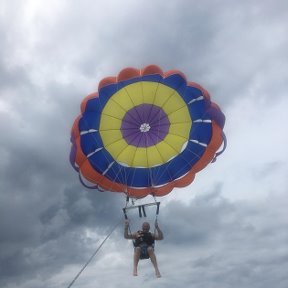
pixel 145 125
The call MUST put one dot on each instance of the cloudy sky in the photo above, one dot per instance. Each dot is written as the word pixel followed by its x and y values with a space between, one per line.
pixel 227 229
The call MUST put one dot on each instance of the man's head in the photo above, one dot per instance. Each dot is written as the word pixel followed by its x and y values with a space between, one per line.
pixel 145 227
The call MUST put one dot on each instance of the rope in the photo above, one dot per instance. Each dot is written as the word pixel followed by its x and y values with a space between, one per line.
pixel 93 255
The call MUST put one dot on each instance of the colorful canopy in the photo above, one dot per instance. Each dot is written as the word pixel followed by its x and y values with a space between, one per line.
pixel 145 132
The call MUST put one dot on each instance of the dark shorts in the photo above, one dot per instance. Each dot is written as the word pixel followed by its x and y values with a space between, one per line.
pixel 144 252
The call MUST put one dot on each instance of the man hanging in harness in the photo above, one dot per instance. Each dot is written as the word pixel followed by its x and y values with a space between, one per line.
pixel 144 244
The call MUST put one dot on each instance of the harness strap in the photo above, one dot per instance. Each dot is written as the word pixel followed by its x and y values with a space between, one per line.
pixel 143 210
pixel 158 208
pixel 140 212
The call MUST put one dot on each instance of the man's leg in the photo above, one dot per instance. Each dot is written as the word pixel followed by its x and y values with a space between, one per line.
pixel 153 259
pixel 137 251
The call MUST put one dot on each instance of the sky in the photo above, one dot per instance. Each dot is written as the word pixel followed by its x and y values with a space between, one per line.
pixel 228 228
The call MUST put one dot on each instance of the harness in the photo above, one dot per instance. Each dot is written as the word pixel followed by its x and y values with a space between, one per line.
pixel 144 239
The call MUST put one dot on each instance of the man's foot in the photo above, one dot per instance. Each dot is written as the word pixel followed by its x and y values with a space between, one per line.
pixel 135 273
pixel 158 275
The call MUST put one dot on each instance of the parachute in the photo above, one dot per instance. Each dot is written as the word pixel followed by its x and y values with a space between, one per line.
pixel 145 132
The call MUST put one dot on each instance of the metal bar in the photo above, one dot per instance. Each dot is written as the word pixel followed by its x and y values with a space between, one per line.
pixel 145 205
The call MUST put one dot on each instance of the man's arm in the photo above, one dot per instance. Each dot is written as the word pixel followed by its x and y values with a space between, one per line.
pixel 126 234
pixel 159 235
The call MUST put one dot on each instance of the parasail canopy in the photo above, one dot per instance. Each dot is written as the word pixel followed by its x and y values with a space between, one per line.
pixel 145 132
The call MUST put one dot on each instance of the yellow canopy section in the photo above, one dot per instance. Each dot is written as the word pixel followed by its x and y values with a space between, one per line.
pixel 131 96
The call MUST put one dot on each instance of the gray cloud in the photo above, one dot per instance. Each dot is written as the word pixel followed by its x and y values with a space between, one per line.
pixel 229 243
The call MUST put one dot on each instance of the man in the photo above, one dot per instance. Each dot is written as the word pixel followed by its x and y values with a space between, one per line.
pixel 144 245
